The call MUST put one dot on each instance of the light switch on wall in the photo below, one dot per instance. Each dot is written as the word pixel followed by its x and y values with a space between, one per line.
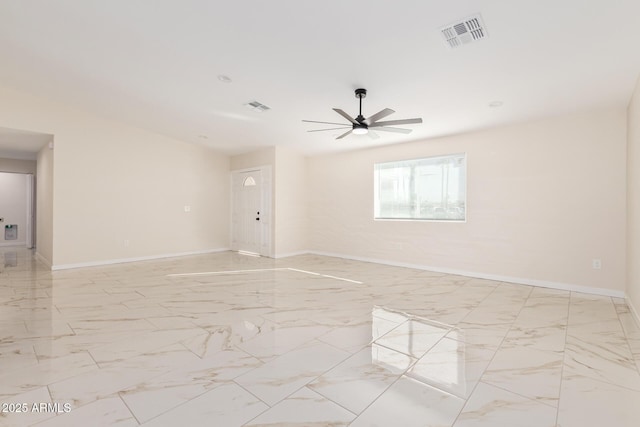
pixel 187 208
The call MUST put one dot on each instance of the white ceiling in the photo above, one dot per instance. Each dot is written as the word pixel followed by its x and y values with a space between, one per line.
pixel 154 63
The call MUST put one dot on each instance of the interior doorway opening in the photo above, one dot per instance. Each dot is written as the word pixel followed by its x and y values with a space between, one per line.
pixel 17 209
pixel 29 154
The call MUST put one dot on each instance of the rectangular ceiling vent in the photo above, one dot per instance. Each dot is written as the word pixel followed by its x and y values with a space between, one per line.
pixel 466 31
pixel 256 106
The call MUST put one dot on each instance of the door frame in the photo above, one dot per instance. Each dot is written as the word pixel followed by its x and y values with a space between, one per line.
pixel 31 207
pixel 30 223
pixel 266 209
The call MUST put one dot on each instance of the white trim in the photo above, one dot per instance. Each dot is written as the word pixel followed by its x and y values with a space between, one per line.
pixel 255 168
pixel 509 279
pixel 288 254
pixel 13 244
pixel 634 312
pixel 43 260
pixel 136 259
pixel 30 211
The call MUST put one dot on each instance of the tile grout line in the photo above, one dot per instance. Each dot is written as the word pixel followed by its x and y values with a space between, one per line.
pixel 564 357
pixel 259 400
pixel 331 400
pixel 529 398
pixel 50 397
pixel 175 407
pixel 353 354
pixel 379 396
pixel 301 387
pixel 626 337
pixel 494 354
pixel 481 301
pixel 406 370
pixel 608 381
pixel 311 380
pixel 128 408
pixel 334 327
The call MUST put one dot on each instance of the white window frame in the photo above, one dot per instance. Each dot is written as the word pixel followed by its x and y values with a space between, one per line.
pixel 376 190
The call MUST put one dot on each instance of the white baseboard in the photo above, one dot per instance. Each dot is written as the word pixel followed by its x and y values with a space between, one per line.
pixel 126 260
pixel 500 278
pixel 43 260
pixel 289 254
pixel 509 279
pixel 634 313
pixel 4 244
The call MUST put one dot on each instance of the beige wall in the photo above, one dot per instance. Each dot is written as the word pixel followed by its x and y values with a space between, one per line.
pixel 544 199
pixel 113 183
pixel 13 206
pixel 44 205
pixel 16 165
pixel 263 157
pixel 290 202
pixel 633 201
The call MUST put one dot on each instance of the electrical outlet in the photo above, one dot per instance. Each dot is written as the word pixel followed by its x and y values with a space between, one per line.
pixel 596 263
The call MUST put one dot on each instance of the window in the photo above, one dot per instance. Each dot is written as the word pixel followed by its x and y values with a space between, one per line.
pixel 433 188
pixel 249 182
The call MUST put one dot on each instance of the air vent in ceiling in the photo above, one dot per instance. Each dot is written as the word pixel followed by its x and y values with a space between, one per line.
pixel 256 106
pixel 468 30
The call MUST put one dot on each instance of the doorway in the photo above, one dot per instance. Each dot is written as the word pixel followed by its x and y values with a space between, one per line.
pixel 251 210
pixel 17 209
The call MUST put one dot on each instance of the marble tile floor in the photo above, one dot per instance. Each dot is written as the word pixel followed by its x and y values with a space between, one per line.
pixel 231 340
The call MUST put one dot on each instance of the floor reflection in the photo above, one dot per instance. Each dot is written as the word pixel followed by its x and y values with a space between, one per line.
pixel 438 361
pixel 10 259
pixel 307 340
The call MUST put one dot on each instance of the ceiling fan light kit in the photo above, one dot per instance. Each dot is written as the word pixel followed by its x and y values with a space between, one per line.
pixel 363 126
pixel 360 130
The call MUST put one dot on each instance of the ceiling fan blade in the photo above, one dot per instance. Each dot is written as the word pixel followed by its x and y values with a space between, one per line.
pixel 397 122
pixel 322 130
pixel 324 123
pixel 396 130
pixel 371 134
pixel 345 134
pixel 379 115
pixel 346 116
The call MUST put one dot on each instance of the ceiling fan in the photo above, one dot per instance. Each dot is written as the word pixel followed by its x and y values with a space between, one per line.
pixel 368 126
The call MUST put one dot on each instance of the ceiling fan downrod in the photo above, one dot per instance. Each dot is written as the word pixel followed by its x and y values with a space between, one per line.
pixel 360 93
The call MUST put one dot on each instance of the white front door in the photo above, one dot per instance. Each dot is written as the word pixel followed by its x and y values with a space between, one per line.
pixel 250 216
